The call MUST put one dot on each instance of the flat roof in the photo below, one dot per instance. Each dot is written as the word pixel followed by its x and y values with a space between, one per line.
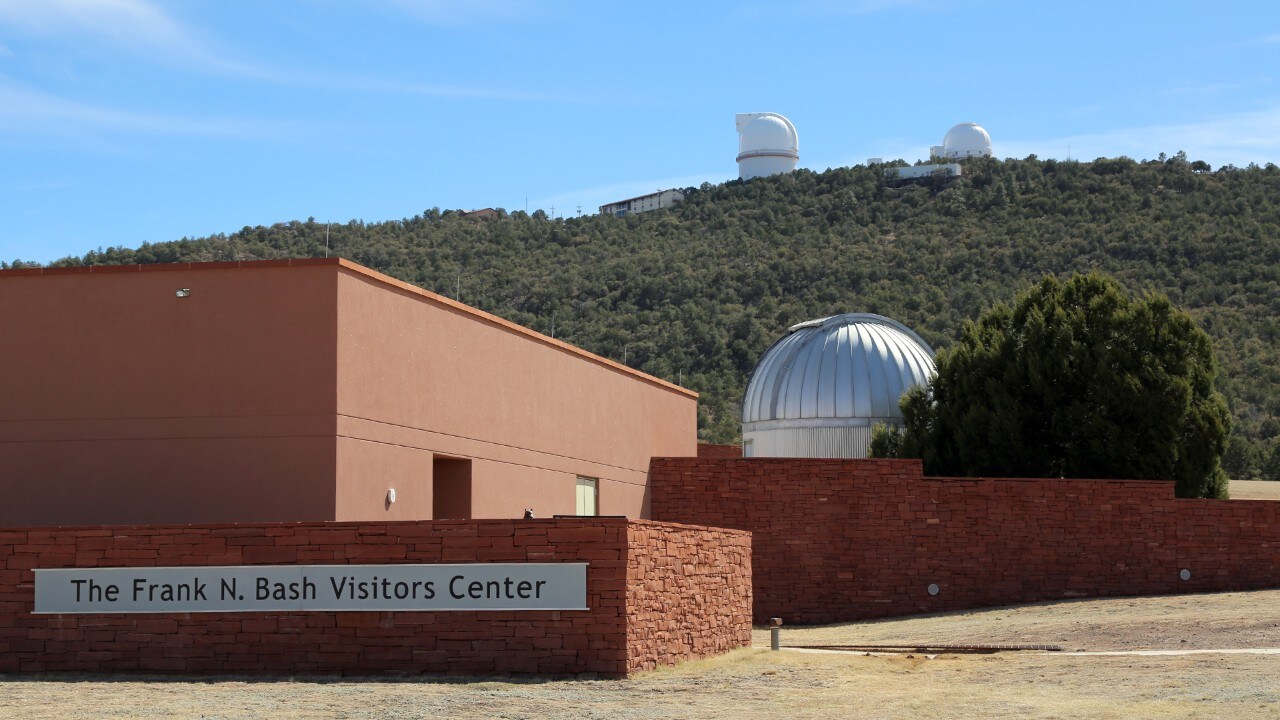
pixel 387 280
pixel 646 195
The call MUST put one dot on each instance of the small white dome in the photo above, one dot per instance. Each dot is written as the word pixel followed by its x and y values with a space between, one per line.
pixel 819 390
pixel 966 140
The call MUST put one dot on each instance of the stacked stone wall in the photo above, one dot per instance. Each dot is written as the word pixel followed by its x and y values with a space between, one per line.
pixel 719 452
pixel 641 578
pixel 688 595
pixel 842 540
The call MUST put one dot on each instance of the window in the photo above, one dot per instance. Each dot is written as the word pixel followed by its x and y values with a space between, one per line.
pixel 588 496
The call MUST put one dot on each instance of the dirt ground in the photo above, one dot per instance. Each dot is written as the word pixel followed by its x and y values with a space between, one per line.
pixel 1255 490
pixel 791 684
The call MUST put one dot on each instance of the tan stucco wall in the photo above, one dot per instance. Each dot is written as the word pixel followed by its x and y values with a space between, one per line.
pixel 419 372
pixel 123 403
pixel 301 390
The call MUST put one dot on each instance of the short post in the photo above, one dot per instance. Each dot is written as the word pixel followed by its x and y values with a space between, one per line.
pixel 775 633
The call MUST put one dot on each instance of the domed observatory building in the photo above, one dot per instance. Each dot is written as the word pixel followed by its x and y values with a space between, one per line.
pixel 964 140
pixel 820 389
pixel 767 145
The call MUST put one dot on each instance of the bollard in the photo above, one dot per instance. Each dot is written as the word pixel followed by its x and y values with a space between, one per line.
pixel 775 633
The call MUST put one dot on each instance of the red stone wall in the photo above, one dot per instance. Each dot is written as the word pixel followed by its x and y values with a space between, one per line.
pixel 688 595
pixel 707 450
pixel 841 540
pixel 636 568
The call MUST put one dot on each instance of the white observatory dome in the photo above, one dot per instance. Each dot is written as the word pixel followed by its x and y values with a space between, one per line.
pixel 767 145
pixel 966 140
pixel 819 390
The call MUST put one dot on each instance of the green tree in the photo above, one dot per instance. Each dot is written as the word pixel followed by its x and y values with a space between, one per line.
pixel 1271 466
pixel 1075 379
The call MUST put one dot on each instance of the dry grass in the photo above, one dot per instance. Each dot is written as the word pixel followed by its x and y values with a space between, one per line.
pixel 758 683
pixel 1255 490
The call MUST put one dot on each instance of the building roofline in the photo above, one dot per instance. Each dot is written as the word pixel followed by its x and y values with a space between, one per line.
pixel 615 202
pixel 387 280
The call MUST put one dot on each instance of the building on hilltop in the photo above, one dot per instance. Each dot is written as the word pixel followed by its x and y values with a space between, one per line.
pixel 915 172
pixel 306 390
pixel 767 145
pixel 962 141
pixel 643 203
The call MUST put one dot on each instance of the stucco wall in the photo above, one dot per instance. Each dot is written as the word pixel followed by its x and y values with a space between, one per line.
pixel 421 374
pixel 302 390
pixel 657 593
pixel 124 402
pixel 842 540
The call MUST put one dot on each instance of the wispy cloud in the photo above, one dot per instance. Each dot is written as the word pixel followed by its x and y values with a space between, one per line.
pixel 463 12
pixel 5 51
pixel 143 27
pixel 137 26
pixel 391 86
pixel 1272 39
pixel 37 186
pixel 1238 139
pixel 1209 89
pixel 33 112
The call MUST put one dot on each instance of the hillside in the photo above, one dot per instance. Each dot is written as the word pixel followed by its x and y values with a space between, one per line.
pixel 696 293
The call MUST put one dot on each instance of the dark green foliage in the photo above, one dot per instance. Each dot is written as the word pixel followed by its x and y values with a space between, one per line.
pixel 1075 379
pixel 696 293
pixel 886 442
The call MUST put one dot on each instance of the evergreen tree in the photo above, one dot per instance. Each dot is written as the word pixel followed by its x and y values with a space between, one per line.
pixel 1075 379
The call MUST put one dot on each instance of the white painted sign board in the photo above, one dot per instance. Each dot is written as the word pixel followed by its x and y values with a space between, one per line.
pixel 258 588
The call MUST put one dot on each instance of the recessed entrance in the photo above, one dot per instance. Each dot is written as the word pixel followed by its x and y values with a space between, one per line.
pixel 450 488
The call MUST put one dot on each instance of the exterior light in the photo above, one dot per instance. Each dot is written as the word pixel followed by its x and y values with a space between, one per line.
pixel 182 292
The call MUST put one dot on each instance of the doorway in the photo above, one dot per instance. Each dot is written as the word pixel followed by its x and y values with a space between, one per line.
pixel 450 488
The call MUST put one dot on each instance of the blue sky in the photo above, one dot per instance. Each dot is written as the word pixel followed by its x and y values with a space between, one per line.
pixel 131 121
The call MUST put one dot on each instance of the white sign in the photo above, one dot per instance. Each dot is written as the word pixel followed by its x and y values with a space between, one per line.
pixel 257 588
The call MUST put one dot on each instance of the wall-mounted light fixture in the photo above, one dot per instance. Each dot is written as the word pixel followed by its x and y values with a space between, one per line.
pixel 391 496
pixel 182 292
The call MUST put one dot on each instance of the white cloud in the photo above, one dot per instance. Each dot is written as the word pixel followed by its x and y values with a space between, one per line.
pixel 1209 89
pixel 24 111
pixel 135 25
pixel 1272 39
pixel 5 51
pixel 1237 139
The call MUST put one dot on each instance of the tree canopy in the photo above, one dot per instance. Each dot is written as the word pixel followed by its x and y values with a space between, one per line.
pixel 695 294
pixel 1074 379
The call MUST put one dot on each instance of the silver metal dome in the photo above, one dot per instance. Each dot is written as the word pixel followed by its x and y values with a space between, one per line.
pixel 819 390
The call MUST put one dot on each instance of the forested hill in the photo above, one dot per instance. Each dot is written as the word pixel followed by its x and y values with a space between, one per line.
pixel 696 293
